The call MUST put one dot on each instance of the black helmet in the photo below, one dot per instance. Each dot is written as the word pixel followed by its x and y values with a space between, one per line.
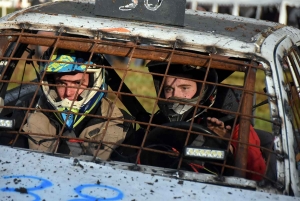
pixel 178 111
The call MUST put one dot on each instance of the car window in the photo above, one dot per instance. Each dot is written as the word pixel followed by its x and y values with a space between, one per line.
pixel 230 89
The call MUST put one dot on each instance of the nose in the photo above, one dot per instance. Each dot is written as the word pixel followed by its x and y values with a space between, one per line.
pixel 70 93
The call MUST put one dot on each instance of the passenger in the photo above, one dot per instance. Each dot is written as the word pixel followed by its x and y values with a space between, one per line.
pixel 73 104
pixel 188 91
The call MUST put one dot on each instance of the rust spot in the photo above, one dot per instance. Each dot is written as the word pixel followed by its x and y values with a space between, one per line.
pixel 298 157
pixel 241 26
pixel 230 28
pixel 122 30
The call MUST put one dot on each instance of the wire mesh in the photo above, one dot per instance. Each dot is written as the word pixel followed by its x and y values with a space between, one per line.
pixel 132 126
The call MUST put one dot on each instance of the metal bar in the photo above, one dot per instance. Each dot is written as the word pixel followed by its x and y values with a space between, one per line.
pixel 244 124
pixel 142 52
pixel 4 42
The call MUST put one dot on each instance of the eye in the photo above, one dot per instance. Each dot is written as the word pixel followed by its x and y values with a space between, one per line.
pixel 185 88
pixel 60 83
pixel 168 89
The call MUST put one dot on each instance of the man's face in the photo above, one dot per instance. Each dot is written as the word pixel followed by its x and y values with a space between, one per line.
pixel 180 88
pixel 66 82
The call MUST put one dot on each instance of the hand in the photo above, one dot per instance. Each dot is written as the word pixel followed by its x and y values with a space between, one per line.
pixel 218 127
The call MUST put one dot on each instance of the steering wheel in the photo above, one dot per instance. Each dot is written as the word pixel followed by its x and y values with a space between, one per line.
pixel 167 140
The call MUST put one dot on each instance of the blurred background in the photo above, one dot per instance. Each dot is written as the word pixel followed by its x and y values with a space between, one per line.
pixel 282 11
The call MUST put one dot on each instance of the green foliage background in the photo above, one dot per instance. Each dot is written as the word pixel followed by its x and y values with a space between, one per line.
pixel 142 84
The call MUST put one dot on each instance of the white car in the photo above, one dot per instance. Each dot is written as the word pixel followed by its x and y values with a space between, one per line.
pixel 246 72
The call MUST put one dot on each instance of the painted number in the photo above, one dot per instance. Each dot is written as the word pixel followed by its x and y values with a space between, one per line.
pixel 44 184
pixel 118 195
pixel 134 3
pixel 79 189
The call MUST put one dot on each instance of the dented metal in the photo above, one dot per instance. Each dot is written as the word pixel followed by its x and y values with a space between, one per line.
pixel 207 40
pixel 59 179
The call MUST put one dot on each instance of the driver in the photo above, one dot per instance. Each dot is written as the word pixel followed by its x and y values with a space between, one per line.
pixel 189 92
pixel 72 91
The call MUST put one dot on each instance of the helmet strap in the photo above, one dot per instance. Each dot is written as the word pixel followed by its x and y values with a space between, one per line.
pixel 91 80
pixel 69 118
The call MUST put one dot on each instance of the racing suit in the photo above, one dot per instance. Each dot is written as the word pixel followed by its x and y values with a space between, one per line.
pixel 255 160
pixel 90 129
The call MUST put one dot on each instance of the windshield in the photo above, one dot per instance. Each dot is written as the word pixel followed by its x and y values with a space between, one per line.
pixel 206 115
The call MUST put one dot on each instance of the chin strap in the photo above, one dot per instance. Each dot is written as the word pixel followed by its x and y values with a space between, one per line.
pixel 68 118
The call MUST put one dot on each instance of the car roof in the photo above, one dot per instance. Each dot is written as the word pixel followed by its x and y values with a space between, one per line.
pixel 201 30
